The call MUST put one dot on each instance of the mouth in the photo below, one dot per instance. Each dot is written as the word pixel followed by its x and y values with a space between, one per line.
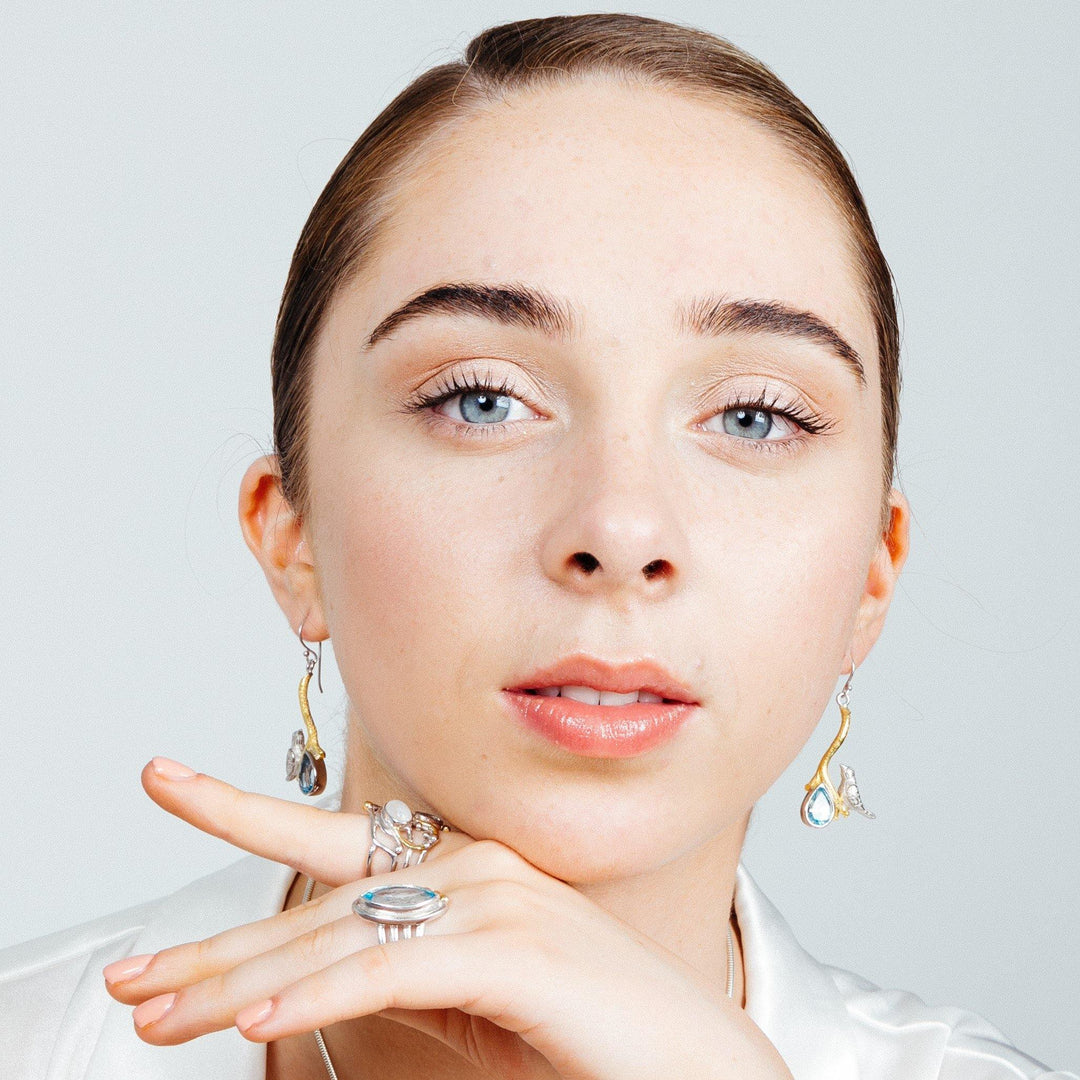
pixel 597 709
pixel 589 695
pixel 593 681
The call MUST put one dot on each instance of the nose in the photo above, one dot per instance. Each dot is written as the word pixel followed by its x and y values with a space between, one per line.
pixel 615 529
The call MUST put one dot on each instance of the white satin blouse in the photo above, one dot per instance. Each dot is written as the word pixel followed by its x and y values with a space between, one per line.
pixel 58 1023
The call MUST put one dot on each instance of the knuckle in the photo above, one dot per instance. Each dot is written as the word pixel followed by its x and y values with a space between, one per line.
pixel 206 955
pixel 318 942
pixel 236 803
pixel 503 903
pixel 508 894
pixel 378 970
pixel 210 993
pixel 497 859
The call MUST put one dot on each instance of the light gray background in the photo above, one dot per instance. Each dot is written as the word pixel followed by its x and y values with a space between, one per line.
pixel 158 164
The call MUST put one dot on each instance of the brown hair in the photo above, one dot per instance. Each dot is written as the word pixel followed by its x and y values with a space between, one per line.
pixel 340 234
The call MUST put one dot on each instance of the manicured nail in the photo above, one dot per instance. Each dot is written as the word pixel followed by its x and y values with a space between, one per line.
pixel 153 1009
pixel 254 1014
pixel 171 770
pixel 127 968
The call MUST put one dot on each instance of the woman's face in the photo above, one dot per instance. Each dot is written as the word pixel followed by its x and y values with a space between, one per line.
pixel 460 547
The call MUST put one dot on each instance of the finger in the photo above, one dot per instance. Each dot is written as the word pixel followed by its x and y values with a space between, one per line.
pixel 212 1003
pixel 272 828
pixel 184 965
pixel 581 1018
pixel 329 845
pixel 415 974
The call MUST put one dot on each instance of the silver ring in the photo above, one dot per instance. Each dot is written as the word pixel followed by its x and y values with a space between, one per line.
pixel 400 910
pixel 404 836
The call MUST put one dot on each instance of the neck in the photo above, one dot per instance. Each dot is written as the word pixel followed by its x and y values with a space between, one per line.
pixel 684 905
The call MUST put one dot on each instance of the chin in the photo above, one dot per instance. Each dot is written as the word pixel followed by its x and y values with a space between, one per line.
pixel 594 863
pixel 588 836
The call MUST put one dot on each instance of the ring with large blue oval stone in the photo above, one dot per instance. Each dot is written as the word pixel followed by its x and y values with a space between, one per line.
pixel 401 904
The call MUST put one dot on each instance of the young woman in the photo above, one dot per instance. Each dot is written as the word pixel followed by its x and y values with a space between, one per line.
pixel 586 382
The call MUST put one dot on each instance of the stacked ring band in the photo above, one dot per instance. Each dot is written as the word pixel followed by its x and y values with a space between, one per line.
pixel 400 910
pixel 406 837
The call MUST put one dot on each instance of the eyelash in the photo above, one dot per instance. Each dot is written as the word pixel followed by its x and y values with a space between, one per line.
pixel 808 421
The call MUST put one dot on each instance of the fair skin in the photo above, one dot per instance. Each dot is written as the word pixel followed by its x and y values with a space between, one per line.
pixel 442 565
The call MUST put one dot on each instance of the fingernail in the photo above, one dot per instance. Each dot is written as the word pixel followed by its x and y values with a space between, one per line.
pixel 127 968
pixel 171 770
pixel 153 1009
pixel 254 1014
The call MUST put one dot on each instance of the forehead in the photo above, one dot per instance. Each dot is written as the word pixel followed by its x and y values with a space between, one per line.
pixel 624 199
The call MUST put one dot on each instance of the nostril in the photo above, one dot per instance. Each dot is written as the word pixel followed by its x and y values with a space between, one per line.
pixel 587 562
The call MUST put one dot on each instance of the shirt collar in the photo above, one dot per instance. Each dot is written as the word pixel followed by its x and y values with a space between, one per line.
pixel 790 995
pixel 251 888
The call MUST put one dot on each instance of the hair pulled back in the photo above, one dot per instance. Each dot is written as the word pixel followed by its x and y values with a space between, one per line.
pixel 340 235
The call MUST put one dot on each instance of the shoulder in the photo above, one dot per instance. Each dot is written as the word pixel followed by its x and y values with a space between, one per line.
pixel 900 1027
pixel 831 1023
pixel 60 1023
pixel 46 997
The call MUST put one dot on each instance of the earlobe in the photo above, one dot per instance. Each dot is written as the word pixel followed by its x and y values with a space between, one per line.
pixel 889 558
pixel 274 533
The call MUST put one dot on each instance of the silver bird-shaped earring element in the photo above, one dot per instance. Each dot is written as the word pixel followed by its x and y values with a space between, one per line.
pixel 849 791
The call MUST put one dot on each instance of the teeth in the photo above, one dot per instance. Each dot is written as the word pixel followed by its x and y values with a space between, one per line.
pixel 588 696
pixel 609 697
pixel 585 694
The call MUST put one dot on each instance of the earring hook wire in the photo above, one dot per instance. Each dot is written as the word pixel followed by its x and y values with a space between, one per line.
pixel 314 659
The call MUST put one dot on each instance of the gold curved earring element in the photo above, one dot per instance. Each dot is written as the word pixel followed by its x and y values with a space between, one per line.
pixel 823 802
pixel 306 760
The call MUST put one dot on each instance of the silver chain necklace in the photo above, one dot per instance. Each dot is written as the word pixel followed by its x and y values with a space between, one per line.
pixel 326 1054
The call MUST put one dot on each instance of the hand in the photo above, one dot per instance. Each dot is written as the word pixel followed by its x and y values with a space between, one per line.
pixel 522 976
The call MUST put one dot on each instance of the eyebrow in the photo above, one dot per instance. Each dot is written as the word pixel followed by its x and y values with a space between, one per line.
pixel 534 309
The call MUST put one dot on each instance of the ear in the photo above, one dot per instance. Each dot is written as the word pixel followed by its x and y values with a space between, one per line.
pixel 275 533
pixel 885 567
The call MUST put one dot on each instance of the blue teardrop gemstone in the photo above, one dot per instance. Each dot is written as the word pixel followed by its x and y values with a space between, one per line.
pixel 818 808
pixel 309 777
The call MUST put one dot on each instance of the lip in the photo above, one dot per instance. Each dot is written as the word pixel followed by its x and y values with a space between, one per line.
pixel 580 669
pixel 603 731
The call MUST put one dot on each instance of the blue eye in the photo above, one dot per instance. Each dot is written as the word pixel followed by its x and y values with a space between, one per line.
pixel 482 407
pixel 765 420
pixel 476 401
pixel 753 423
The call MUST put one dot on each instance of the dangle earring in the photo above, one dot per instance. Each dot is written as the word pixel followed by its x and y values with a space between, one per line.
pixel 305 761
pixel 823 802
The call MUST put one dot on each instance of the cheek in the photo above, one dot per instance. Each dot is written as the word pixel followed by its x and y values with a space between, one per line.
pixel 784 582
pixel 417 589
pixel 430 570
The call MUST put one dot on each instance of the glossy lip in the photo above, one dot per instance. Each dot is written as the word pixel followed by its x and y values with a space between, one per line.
pixel 603 731
pixel 599 731
pixel 580 669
